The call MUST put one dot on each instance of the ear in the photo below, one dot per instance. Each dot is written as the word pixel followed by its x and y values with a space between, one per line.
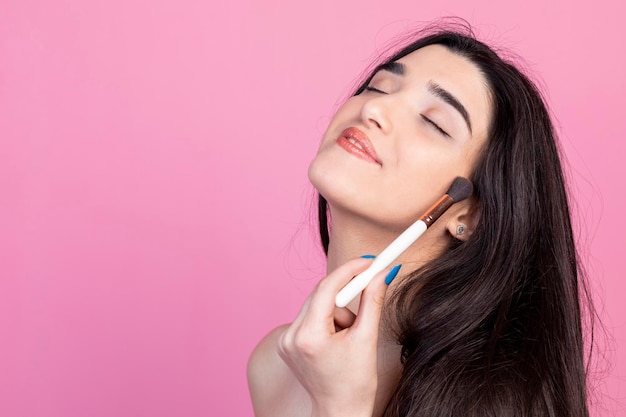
pixel 464 219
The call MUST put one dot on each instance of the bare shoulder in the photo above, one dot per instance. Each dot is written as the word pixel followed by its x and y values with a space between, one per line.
pixel 274 390
pixel 265 363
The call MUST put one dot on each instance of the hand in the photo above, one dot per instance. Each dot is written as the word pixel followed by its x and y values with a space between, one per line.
pixel 337 365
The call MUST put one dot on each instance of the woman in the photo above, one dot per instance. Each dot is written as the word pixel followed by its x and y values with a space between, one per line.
pixel 484 317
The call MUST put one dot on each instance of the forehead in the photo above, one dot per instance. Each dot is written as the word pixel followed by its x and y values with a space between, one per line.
pixel 456 74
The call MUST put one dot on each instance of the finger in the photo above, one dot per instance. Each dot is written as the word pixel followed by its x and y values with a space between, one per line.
pixel 303 312
pixel 286 339
pixel 322 306
pixel 344 318
pixel 367 321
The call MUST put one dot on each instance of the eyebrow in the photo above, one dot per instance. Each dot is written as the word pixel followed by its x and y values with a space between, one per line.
pixel 399 68
pixel 392 67
pixel 445 95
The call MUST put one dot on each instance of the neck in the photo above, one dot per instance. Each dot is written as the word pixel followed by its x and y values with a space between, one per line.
pixel 353 236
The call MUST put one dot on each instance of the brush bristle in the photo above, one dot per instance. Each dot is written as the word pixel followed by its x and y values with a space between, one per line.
pixel 460 189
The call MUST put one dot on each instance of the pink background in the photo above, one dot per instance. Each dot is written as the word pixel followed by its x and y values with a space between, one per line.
pixel 155 215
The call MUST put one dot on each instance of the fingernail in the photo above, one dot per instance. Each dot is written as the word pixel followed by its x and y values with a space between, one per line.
pixel 392 274
pixel 368 256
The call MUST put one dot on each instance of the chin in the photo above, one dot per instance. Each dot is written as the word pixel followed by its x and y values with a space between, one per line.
pixel 325 178
pixel 383 208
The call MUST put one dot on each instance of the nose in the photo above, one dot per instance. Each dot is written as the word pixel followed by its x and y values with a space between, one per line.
pixel 375 114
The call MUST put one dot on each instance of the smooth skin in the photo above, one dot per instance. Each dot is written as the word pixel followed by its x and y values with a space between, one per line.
pixel 301 361
pixel 346 362
pixel 314 349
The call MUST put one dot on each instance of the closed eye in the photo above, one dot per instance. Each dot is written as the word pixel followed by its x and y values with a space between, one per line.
pixel 375 90
pixel 435 125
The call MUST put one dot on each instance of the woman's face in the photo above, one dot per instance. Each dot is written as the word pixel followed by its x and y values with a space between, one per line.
pixel 389 153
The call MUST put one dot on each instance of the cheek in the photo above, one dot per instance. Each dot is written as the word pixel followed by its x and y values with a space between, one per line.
pixel 425 154
pixel 424 174
pixel 427 158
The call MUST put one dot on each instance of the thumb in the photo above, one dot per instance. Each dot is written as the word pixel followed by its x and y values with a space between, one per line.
pixel 372 300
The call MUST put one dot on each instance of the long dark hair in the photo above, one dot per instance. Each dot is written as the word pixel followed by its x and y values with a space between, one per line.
pixel 492 327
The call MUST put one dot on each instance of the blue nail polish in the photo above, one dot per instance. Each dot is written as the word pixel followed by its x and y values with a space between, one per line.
pixel 392 274
pixel 368 256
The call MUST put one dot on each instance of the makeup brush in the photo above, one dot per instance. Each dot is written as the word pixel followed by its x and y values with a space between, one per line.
pixel 460 189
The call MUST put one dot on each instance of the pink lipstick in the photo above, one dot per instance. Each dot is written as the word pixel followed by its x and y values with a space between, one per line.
pixel 358 144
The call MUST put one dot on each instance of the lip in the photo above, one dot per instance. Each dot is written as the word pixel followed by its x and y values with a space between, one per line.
pixel 358 144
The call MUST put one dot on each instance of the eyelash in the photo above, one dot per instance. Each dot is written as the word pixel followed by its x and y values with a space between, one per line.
pixel 375 90
pixel 426 119
pixel 435 125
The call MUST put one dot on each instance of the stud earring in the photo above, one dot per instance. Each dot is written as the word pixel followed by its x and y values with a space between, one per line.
pixel 460 229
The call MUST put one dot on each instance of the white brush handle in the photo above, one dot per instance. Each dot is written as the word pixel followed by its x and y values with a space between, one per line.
pixel 382 261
